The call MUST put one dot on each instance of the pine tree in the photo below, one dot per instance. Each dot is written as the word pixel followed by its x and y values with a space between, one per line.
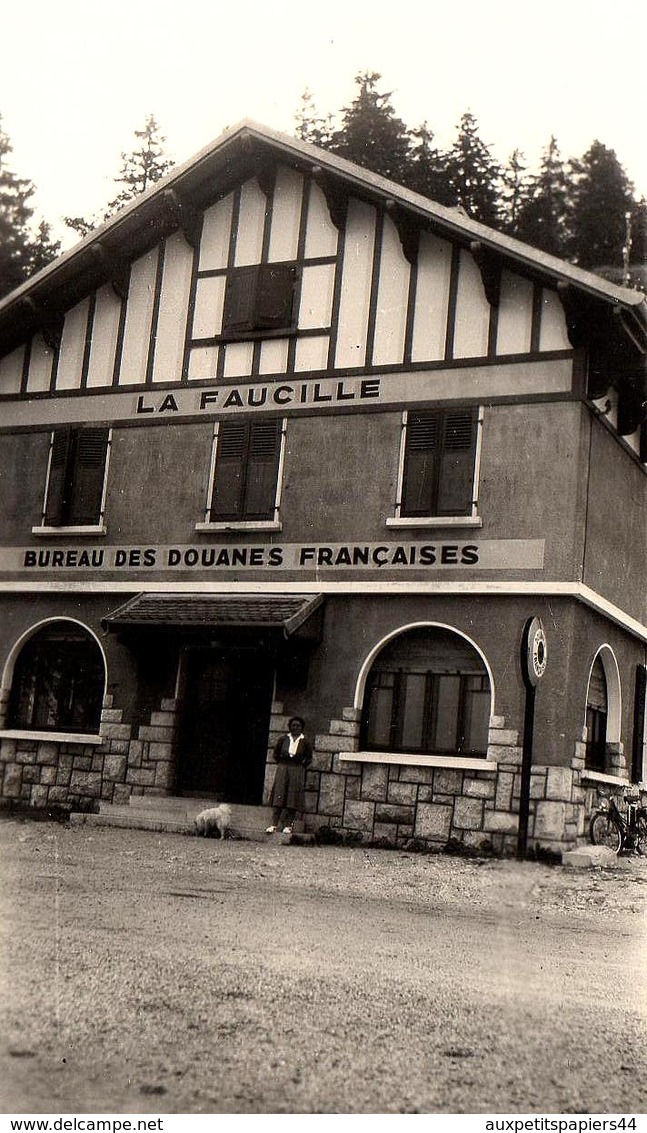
pixel 371 134
pixel 602 198
pixel 427 172
pixel 140 169
pixel 544 217
pixel 22 251
pixel 311 126
pixel 515 188
pixel 473 173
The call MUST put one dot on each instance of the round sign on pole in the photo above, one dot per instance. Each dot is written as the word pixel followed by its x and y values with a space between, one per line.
pixel 535 651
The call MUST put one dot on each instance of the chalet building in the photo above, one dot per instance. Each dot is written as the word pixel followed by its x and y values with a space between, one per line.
pixel 284 437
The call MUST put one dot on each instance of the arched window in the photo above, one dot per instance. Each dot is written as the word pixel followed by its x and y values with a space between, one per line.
pixel 58 681
pixel 596 718
pixel 428 691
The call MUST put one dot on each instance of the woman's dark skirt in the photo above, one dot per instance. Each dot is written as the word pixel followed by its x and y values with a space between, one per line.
pixel 288 789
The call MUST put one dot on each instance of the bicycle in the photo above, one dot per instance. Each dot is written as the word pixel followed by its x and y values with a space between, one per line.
pixel 610 827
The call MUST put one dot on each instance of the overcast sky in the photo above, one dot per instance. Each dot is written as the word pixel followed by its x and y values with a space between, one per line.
pixel 77 77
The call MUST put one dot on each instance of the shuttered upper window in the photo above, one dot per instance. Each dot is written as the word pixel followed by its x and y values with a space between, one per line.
pixel 259 298
pixel 77 470
pixel 439 456
pixel 246 474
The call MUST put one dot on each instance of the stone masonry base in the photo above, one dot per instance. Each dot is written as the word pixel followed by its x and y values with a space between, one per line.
pixel 384 803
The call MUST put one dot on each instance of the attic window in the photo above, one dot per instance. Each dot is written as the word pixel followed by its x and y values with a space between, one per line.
pixel 259 299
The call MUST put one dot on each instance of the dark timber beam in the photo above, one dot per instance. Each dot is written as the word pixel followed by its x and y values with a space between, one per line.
pixel 489 266
pixel 336 196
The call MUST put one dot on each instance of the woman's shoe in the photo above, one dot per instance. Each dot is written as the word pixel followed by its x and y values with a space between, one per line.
pixel 271 830
pixel 287 829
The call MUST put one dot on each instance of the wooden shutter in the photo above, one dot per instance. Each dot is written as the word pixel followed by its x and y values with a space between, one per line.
pixel 240 300
pixel 262 469
pixel 275 297
pixel 230 461
pixel 59 453
pixel 420 464
pixel 88 470
pixel 456 474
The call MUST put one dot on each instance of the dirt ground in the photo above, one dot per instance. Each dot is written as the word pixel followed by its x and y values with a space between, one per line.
pixel 151 973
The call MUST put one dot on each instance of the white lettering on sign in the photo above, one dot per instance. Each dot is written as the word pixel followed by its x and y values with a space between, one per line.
pixel 317 558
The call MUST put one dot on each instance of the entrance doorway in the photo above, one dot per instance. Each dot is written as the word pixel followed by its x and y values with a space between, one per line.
pixel 225 723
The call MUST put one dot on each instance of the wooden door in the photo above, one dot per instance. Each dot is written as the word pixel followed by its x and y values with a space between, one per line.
pixel 225 724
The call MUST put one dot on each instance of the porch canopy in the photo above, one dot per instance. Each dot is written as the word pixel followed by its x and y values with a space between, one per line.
pixel 286 612
pixel 210 611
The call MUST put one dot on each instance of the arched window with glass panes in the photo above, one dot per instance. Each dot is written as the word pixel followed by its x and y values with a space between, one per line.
pixel 428 692
pixel 58 681
pixel 596 718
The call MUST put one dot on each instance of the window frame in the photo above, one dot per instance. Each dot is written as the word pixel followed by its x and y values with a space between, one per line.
pixel 70 474
pixel 242 522
pixel 259 324
pixel 597 719
pixel 471 517
pixel 33 667
pixel 430 718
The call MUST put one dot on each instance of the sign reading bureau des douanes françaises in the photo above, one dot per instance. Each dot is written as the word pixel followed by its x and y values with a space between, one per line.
pixel 358 558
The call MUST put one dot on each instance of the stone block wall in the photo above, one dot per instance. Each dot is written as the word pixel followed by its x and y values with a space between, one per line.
pixel 75 776
pixel 401 804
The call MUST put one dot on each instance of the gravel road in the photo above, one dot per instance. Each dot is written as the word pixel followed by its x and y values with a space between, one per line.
pixel 151 973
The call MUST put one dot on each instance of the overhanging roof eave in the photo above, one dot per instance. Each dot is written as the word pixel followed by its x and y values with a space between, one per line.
pixel 230 152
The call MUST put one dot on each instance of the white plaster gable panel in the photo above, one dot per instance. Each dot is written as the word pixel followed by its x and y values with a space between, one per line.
pixel 41 362
pixel 139 313
pixel 432 299
pixel 70 359
pixel 356 285
pixel 553 334
pixel 203 362
pixel 209 305
pixel 105 331
pixel 170 331
pixel 321 234
pixel 312 353
pixel 514 324
pixel 317 286
pixel 274 356
pixel 238 359
pixel 392 299
pixel 286 215
pixel 11 371
pixel 251 225
pixel 472 323
pixel 216 229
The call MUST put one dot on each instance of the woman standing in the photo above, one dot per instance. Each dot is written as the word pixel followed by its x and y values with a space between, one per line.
pixel 292 754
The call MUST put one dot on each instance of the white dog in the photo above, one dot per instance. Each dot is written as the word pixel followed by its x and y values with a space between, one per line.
pixel 215 818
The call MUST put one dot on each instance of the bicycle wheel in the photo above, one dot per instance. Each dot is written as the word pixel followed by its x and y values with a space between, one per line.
pixel 641 836
pixel 605 831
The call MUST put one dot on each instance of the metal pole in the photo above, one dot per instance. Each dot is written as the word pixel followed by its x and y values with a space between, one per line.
pixel 526 766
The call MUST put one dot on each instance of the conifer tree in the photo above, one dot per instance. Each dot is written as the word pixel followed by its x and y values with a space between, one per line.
pixel 371 134
pixel 544 218
pixel 427 167
pixel 311 126
pixel 140 168
pixel 602 198
pixel 473 173
pixel 514 191
pixel 22 252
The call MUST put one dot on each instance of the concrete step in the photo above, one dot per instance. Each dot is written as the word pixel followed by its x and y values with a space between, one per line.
pixel 174 815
